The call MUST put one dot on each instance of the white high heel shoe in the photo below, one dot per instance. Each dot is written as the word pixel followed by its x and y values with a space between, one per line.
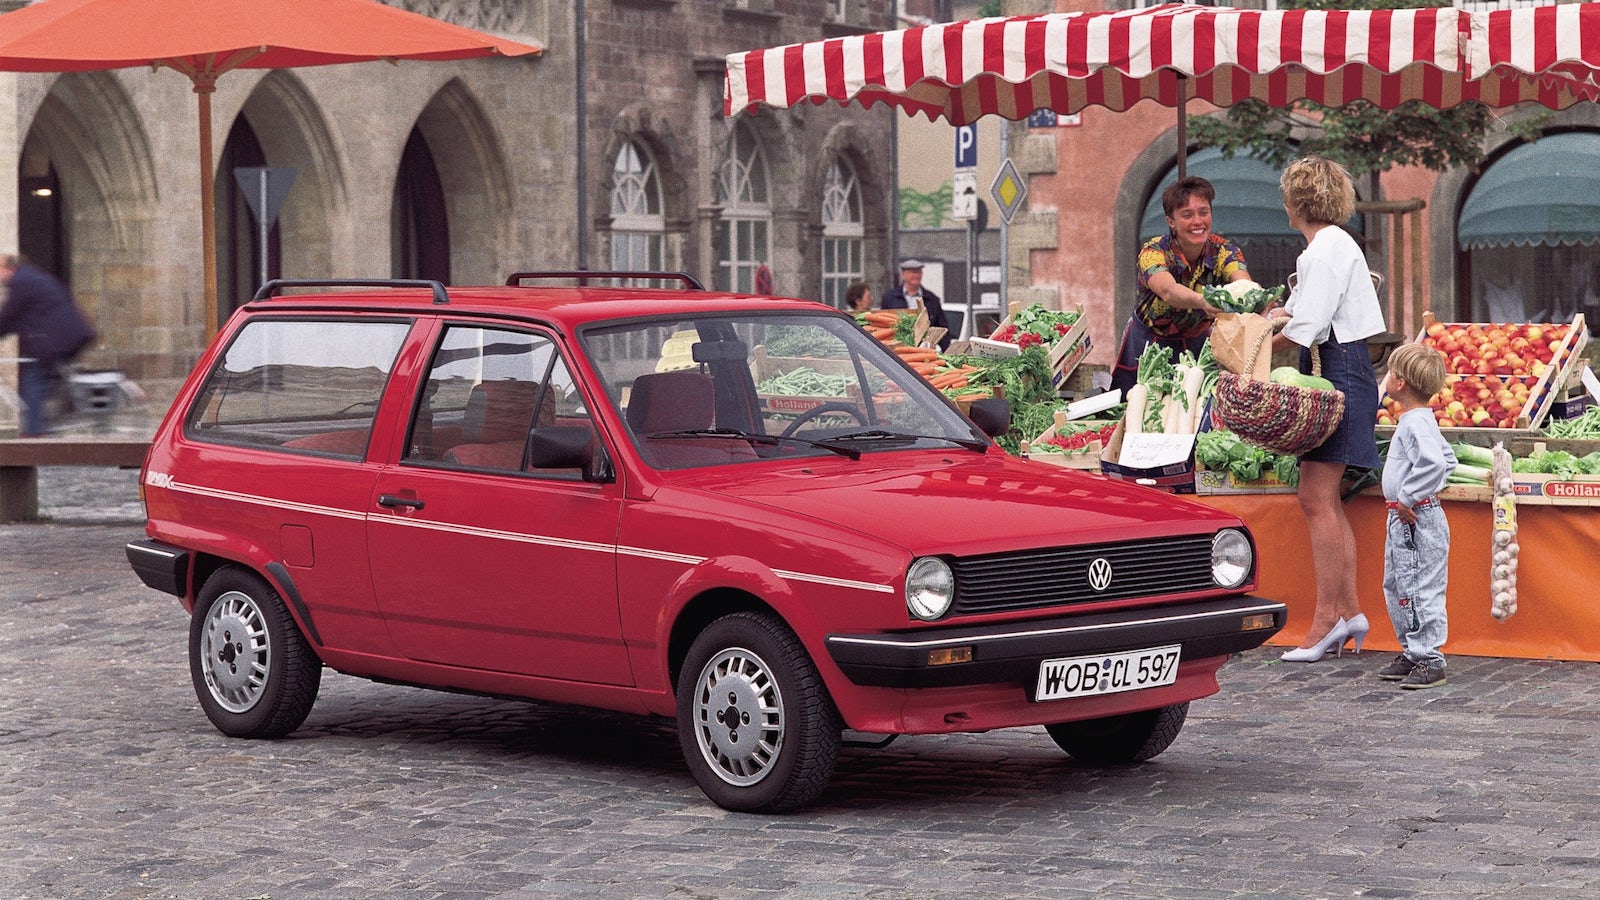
pixel 1331 642
pixel 1357 628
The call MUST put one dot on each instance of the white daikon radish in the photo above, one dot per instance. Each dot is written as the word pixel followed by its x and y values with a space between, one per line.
pixel 1133 419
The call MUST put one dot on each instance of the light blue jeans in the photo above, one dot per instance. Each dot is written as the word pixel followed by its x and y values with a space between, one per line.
pixel 1416 567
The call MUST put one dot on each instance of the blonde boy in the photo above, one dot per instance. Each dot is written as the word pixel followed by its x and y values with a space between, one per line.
pixel 1417 546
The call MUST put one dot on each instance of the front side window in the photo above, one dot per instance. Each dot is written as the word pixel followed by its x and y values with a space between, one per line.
pixel 744 230
pixel 302 385
pixel 492 396
pixel 841 232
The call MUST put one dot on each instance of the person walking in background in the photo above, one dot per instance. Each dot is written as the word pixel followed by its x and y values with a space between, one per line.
pixel 1332 311
pixel 50 330
pixel 910 290
pixel 1416 550
pixel 1171 309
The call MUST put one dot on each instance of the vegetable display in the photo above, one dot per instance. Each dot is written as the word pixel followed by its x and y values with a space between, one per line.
pixel 1242 296
pixel 1586 426
pixel 1224 451
pixel 1166 397
pixel 1035 325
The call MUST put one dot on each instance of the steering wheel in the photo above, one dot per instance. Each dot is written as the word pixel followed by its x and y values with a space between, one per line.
pixel 832 406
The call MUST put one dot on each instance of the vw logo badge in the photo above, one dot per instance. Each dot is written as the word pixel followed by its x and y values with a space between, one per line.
pixel 1100 573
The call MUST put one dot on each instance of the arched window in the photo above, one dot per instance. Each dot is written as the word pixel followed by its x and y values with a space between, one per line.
pixel 841 232
pixel 637 227
pixel 744 231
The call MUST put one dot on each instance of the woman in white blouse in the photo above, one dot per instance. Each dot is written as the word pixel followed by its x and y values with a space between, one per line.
pixel 1333 310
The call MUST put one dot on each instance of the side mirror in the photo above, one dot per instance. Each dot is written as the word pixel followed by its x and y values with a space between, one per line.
pixel 569 447
pixel 991 415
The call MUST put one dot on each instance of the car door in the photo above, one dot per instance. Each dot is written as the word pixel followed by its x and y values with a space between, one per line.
pixel 478 559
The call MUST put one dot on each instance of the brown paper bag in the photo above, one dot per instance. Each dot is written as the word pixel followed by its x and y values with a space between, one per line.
pixel 1233 340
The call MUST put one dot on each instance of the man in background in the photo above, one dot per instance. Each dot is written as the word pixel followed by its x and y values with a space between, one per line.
pixel 50 331
pixel 910 290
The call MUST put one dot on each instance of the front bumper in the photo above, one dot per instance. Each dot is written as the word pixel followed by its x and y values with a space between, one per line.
pixel 1011 652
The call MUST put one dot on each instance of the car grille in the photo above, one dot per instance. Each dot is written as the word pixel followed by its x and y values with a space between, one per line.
pixel 1002 582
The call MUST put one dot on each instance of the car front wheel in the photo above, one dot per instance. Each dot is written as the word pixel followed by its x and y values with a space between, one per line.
pixel 755 723
pixel 254 672
pixel 1129 738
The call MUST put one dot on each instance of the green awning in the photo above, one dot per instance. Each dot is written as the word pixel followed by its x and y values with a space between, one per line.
pixel 1248 205
pixel 1546 192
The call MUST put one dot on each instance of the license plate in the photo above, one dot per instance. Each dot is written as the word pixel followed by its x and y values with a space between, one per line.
pixel 1107 673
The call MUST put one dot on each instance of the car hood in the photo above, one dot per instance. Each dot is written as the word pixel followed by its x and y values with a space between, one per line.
pixel 933 502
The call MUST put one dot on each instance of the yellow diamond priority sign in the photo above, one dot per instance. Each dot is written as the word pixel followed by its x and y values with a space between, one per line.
pixel 1008 190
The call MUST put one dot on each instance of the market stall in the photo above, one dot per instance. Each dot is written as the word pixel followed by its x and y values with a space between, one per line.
pixel 1556 618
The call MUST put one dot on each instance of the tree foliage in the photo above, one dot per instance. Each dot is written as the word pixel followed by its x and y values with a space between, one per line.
pixel 1364 138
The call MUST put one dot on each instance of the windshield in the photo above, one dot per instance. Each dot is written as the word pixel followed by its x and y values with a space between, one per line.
pixel 726 388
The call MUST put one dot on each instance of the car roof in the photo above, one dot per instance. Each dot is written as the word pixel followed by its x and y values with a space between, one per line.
pixel 565 306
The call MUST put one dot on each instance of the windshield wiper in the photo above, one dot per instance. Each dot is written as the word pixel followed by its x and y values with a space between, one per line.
pixel 896 437
pixel 769 439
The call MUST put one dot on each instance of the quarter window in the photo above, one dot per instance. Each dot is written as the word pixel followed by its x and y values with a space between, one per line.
pixel 306 386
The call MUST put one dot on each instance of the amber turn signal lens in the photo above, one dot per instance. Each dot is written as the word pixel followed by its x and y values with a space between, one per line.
pixel 949 656
pixel 1259 622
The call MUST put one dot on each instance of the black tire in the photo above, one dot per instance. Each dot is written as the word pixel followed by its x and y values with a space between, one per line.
pixel 780 753
pixel 240 619
pixel 1114 740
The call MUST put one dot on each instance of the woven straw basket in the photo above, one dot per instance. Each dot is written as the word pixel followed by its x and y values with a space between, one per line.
pixel 1282 418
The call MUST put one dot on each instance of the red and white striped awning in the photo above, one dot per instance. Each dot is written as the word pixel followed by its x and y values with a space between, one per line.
pixel 1011 67
pixel 1548 55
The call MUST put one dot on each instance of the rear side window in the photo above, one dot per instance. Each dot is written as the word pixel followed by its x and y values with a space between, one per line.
pixel 306 386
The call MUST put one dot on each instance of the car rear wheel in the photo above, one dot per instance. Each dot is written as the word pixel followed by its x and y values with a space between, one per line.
pixel 1134 737
pixel 254 672
pixel 755 723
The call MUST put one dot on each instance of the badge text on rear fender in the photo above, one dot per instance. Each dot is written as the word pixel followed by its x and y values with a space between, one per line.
pixel 1086 676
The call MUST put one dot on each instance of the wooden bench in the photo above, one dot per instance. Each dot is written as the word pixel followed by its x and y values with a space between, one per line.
pixel 20 459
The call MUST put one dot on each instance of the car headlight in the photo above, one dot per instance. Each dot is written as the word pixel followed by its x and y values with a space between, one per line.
pixel 1232 558
pixel 930 588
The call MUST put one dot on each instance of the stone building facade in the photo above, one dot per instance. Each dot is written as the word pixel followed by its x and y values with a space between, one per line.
pixel 610 147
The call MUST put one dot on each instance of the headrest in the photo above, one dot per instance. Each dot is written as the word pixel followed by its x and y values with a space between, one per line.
pixel 501 411
pixel 671 401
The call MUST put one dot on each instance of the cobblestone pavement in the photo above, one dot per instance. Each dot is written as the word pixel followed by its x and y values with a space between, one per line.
pixel 1295 781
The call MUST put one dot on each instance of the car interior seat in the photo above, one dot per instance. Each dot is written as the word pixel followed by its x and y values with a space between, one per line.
pixel 681 400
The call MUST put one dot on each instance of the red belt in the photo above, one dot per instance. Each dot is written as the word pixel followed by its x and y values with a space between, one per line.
pixel 1425 501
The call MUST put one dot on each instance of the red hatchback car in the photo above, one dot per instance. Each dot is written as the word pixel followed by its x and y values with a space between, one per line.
pixel 742 512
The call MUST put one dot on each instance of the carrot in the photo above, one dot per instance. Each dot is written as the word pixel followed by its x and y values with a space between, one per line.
pixel 881 334
pixel 926 370
pixel 920 352
pixel 882 319
pixel 954 379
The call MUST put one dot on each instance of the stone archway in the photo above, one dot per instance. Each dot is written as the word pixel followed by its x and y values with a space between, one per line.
pixel 86 131
pixel 293 133
pixel 477 189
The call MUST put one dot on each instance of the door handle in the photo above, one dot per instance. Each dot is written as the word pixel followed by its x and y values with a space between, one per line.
pixel 391 501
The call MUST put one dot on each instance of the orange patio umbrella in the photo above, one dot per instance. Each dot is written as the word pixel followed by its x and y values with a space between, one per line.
pixel 205 38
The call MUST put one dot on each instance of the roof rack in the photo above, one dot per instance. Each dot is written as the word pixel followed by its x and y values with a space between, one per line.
pixel 275 286
pixel 583 275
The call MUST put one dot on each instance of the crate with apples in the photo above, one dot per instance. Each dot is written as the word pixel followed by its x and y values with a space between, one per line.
pixel 1502 375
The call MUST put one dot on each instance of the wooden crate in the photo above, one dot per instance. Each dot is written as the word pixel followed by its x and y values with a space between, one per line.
pixel 1545 388
pixel 1065 354
pixel 1086 458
